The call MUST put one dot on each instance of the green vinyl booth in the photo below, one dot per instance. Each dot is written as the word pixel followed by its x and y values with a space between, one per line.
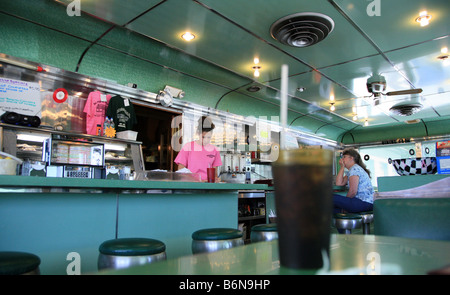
pixel 419 218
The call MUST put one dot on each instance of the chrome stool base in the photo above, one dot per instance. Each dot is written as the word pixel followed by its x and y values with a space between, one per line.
pixel 118 262
pixel 215 239
pixel 347 221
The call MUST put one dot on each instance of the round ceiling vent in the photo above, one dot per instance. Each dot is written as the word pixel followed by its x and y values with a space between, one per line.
pixel 302 29
pixel 406 109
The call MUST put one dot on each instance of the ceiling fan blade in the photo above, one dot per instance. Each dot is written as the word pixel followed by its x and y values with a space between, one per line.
pixel 403 92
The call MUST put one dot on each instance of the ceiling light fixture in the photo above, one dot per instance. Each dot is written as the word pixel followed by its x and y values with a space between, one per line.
pixel 301 89
pixel 188 36
pixel 423 19
pixel 444 56
pixel 366 123
pixel 256 70
pixel 332 107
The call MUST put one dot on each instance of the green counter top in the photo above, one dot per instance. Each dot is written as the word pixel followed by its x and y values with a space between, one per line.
pixel 35 181
pixel 349 254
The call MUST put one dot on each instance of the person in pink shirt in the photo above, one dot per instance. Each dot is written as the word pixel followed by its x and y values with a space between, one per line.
pixel 200 154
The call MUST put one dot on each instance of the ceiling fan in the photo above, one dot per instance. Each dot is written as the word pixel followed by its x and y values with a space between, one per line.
pixel 377 84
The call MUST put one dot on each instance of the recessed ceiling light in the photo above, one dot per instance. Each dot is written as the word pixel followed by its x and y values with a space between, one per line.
pixel 301 89
pixel 424 18
pixel 254 88
pixel 188 36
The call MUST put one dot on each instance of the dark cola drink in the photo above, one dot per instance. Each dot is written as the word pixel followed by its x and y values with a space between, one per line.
pixel 303 200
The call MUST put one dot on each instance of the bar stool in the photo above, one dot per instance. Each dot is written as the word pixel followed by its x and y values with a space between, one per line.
pixel 19 263
pixel 347 221
pixel 214 239
pixel 264 232
pixel 126 252
pixel 367 219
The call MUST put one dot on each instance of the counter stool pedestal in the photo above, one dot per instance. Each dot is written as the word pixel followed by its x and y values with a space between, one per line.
pixel 347 221
pixel 366 219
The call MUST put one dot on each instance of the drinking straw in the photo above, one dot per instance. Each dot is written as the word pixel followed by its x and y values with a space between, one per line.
pixel 283 105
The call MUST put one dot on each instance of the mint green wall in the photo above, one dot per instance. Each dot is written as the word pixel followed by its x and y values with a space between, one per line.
pixel 123 56
pixel 399 131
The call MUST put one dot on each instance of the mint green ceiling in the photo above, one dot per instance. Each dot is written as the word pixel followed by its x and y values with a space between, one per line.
pixel 215 69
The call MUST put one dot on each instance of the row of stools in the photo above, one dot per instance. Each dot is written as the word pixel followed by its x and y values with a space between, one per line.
pixel 126 252
pixel 346 222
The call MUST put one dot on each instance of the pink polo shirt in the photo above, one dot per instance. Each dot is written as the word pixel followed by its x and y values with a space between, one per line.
pixel 198 158
pixel 95 109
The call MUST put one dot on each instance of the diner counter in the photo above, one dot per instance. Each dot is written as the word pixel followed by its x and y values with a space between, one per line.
pixel 52 217
pixel 349 254
pixel 395 183
pixel 55 182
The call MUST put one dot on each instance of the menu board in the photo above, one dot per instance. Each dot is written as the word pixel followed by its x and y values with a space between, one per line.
pixel 72 153
pixel 443 156
pixel 21 97
pixel 443 148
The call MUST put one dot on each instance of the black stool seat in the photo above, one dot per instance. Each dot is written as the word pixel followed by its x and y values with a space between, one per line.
pixel 16 263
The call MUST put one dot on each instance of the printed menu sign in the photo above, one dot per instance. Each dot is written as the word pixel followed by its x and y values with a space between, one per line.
pixel 20 96
pixel 443 148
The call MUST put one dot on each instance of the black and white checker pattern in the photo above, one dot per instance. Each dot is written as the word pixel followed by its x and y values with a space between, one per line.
pixel 415 166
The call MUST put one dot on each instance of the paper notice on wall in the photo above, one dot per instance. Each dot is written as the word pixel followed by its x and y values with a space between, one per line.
pixel 21 97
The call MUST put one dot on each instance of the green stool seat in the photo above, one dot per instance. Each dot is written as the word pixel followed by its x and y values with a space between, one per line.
pixel 210 234
pixel 132 247
pixel 214 239
pixel 347 221
pixel 18 263
pixel 126 252
pixel 264 232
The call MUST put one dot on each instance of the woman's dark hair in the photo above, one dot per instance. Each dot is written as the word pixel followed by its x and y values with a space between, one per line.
pixel 357 157
pixel 205 124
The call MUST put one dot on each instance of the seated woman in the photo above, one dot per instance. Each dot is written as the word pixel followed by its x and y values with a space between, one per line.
pixel 359 197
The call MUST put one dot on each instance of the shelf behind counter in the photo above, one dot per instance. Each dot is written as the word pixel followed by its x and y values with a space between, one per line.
pixel 53 217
